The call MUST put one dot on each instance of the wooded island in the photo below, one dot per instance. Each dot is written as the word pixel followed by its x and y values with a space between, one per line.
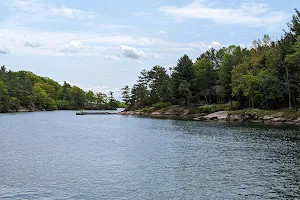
pixel 265 76
pixel 25 91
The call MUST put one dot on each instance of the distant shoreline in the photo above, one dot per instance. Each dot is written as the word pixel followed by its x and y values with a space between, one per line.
pixel 38 110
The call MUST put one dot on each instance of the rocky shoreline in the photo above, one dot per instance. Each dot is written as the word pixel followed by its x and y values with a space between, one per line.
pixel 225 116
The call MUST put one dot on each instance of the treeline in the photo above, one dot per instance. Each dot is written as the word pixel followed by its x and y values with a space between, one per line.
pixel 25 90
pixel 267 76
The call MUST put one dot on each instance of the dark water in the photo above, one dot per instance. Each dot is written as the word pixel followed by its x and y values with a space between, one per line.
pixel 58 155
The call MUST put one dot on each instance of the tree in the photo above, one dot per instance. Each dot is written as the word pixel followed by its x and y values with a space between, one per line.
pixel 139 96
pixel 159 85
pixel 4 98
pixel 205 77
pixel 184 75
pixel 126 95
pixel 185 92
pixel 112 102
pixel 40 97
pixel 90 97
pixel 77 97
pixel 101 98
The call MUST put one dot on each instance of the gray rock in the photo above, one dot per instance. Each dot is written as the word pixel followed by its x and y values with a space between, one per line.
pixel 221 115
pixel 267 117
pixel 297 120
pixel 279 119
pixel 235 118
pixel 156 113
pixel 278 115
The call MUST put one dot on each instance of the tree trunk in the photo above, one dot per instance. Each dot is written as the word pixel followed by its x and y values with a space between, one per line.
pixel 206 99
pixel 294 101
pixel 186 101
pixel 290 98
pixel 249 102
pixel 288 86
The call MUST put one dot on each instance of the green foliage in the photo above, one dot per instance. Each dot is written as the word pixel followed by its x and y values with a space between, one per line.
pixel 289 114
pixel 161 105
pixel 122 105
pixel 90 97
pixel 40 97
pixel 158 107
pixel 4 98
pixel 183 78
pixel 26 90
pixel 126 95
pixel 148 109
pixel 62 104
pixel 214 108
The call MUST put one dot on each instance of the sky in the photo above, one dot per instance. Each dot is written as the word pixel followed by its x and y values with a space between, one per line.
pixel 102 45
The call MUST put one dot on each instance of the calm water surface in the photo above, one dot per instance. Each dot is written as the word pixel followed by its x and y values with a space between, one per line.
pixel 58 155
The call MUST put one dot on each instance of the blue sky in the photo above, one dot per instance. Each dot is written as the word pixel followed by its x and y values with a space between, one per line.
pixel 103 45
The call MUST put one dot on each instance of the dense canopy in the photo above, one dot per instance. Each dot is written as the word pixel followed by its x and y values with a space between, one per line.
pixel 265 76
pixel 24 90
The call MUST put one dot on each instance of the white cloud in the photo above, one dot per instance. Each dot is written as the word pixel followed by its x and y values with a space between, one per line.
pixel 71 48
pixel 216 45
pixel 4 50
pixel 97 88
pixel 43 43
pixel 50 9
pixel 202 47
pixel 31 44
pixel 252 14
pixel 112 57
pixel 131 52
pixel 162 32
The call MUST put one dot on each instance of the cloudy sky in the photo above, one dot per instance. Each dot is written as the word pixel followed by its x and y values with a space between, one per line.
pixel 103 45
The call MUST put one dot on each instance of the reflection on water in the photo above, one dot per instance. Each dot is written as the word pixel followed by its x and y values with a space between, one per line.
pixel 58 155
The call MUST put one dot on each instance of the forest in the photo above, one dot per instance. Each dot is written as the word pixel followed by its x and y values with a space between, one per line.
pixel 265 76
pixel 24 90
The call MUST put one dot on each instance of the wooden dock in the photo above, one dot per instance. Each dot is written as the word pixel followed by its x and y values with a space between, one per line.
pixel 95 113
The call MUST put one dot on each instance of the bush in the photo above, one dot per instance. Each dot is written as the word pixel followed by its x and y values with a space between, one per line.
pixel 161 105
pixel 62 104
pixel 148 110
pixel 217 107
pixel 195 110
pixel 235 106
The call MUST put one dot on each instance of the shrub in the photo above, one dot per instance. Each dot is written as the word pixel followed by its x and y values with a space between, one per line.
pixel 148 109
pixel 62 104
pixel 235 105
pixel 161 105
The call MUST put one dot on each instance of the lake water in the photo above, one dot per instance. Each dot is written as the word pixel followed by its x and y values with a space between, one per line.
pixel 58 155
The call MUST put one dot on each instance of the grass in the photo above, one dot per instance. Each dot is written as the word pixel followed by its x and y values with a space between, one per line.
pixel 287 113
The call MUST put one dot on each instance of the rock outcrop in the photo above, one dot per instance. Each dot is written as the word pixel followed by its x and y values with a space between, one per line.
pixel 221 115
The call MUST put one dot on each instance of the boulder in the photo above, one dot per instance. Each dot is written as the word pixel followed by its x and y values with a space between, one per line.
pixel 221 115
pixel 279 119
pixel 267 117
pixel 234 118
pixel 198 118
pixel 186 112
pixel 297 120
pixel 277 115
pixel 156 113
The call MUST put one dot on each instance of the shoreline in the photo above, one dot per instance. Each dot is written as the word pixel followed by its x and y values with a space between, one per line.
pixel 221 116
pixel 38 110
pixel 224 116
